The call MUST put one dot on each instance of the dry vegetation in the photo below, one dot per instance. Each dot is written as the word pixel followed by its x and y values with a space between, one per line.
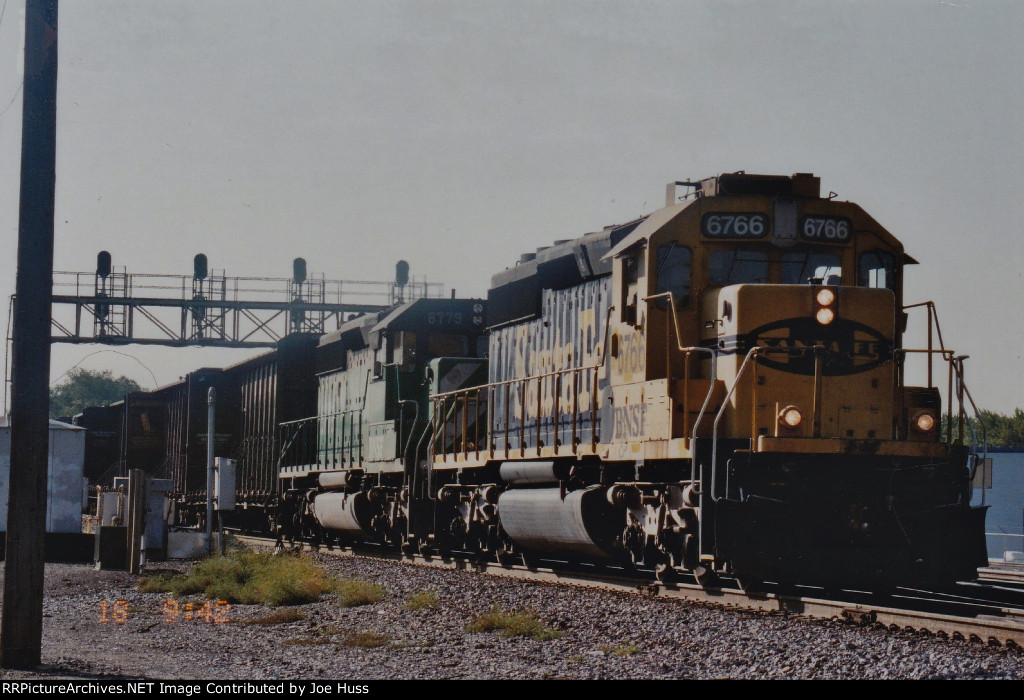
pixel 277 618
pixel 365 640
pixel 423 600
pixel 254 578
pixel 516 623
pixel 353 592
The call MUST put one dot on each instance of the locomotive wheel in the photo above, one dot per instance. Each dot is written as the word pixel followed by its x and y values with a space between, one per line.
pixel 505 557
pixel 705 575
pixel 665 573
pixel 749 584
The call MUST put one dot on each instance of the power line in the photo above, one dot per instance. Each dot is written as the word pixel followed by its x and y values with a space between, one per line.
pixel 13 98
pixel 116 352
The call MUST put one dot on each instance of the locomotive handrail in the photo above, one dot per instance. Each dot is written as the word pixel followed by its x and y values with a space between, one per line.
pixel 932 314
pixel 956 368
pixel 725 402
pixel 316 420
pixel 686 377
pixel 950 357
pixel 318 416
pixel 977 414
pixel 442 398
pixel 462 396
pixel 430 447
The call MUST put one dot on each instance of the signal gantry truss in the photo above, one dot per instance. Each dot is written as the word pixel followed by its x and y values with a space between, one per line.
pixel 119 308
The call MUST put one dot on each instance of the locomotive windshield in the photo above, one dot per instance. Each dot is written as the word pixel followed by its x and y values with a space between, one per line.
pixel 673 273
pixel 877 269
pixel 754 267
pixel 811 268
pixel 738 266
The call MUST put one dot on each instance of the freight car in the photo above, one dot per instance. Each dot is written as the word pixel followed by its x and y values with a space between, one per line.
pixel 251 398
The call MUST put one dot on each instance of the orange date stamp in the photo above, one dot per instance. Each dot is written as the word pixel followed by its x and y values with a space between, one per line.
pixel 210 612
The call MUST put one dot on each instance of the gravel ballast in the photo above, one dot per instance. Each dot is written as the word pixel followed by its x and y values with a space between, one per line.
pixel 603 635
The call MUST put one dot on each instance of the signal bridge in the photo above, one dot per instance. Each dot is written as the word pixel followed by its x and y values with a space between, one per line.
pixel 208 308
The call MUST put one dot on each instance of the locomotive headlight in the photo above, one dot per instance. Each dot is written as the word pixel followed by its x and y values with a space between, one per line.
pixel 790 417
pixel 825 297
pixel 924 422
pixel 825 316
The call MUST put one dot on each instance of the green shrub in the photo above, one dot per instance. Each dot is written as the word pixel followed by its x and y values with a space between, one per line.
pixel 516 623
pixel 248 577
pixel 353 592
pixel 158 582
pixel 424 600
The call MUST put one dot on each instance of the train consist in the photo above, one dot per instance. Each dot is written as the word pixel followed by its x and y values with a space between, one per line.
pixel 715 388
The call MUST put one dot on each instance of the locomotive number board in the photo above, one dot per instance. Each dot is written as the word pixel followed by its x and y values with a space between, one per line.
pixel 734 225
pixel 827 229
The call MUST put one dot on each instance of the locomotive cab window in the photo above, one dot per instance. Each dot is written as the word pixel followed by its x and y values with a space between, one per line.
pixel 404 353
pixel 877 269
pixel 738 266
pixel 812 268
pixel 447 345
pixel 673 274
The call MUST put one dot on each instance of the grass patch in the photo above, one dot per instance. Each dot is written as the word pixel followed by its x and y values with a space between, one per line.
pixel 353 592
pixel 516 623
pixel 280 617
pixel 247 577
pixel 405 645
pixel 621 650
pixel 424 600
pixel 365 640
pixel 158 582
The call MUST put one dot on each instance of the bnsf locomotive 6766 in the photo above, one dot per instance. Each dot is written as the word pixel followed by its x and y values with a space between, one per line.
pixel 715 388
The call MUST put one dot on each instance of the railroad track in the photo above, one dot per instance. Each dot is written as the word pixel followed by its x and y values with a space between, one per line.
pixel 1004 575
pixel 984 611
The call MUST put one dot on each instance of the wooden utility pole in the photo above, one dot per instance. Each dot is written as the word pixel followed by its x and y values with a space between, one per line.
pixel 21 619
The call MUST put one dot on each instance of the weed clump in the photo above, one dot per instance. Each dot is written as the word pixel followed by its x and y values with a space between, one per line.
pixel 365 640
pixel 280 617
pixel 423 600
pixel 249 578
pixel 353 592
pixel 516 623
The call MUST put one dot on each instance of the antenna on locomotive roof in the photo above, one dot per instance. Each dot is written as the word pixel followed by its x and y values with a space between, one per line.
pixel 670 190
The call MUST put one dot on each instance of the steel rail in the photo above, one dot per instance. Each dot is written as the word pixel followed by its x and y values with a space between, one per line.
pixel 1004 575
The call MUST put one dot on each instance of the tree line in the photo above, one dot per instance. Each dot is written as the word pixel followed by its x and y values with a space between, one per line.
pixel 1002 430
pixel 83 387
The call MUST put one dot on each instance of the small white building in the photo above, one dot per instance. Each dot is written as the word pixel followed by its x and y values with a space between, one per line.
pixel 66 471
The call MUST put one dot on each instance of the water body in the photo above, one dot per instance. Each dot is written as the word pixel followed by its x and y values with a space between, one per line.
pixel 1005 499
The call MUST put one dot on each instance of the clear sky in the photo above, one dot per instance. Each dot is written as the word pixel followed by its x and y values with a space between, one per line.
pixel 458 134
